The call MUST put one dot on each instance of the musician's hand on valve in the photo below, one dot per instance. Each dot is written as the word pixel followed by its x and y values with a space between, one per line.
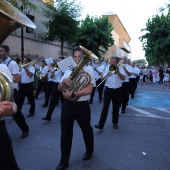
pixel 67 81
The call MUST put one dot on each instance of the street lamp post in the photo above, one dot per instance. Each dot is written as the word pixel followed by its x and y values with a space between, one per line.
pixel 22 40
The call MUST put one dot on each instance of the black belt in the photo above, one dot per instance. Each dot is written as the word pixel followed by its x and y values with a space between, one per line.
pixel 77 102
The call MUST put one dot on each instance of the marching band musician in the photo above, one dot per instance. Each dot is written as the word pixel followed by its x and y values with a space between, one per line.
pixel 56 75
pixel 50 84
pixel 125 84
pixel 26 88
pixel 7 157
pixel 79 111
pixel 14 69
pixel 133 80
pixel 112 92
pixel 41 83
pixel 98 72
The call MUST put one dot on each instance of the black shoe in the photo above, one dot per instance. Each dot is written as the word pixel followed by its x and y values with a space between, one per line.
pixel 43 105
pixel 62 166
pixel 87 156
pixel 98 127
pixel 44 118
pixel 100 101
pixel 24 135
pixel 30 115
pixel 122 111
pixel 115 126
pixel 35 97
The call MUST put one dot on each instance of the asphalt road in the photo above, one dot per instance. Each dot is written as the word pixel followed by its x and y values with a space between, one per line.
pixel 142 141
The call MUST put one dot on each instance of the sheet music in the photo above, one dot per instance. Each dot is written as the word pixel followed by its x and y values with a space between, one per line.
pixel 66 64
pixel 49 61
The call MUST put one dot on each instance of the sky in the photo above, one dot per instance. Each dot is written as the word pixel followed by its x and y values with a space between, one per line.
pixel 132 13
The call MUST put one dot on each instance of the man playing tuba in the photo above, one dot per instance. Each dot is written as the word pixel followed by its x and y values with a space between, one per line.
pixel 75 110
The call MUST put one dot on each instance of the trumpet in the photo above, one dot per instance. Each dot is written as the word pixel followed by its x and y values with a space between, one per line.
pixel 28 64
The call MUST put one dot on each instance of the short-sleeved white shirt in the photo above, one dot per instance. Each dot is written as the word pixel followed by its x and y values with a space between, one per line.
pixel 57 76
pixel 114 80
pixel 86 69
pixel 100 69
pixel 4 69
pixel 135 70
pixel 24 76
pixel 13 67
pixel 44 69
pixel 129 69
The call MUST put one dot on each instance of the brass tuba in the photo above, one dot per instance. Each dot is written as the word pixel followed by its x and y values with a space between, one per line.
pixel 10 19
pixel 80 78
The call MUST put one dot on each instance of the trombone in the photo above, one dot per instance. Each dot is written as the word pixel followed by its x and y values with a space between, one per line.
pixel 113 70
pixel 28 64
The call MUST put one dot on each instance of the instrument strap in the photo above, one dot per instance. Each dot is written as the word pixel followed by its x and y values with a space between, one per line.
pixel 9 62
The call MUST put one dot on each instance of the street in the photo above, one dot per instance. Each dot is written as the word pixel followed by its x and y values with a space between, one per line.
pixel 141 142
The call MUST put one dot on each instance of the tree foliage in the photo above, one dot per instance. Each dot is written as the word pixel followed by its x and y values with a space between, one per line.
pixel 95 34
pixel 140 62
pixel 156 40
pixel 23 3
pixel 61 23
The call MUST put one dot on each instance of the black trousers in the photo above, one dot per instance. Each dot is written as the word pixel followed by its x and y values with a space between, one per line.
pixel 125 95
pixel 7 158
pixel 54 98
pixel 49 89
pixel 113 95
pixel 80 112
pixel 133 86
pixel 26 90
pixel 40 85
pixel 19 117
pixel 100 90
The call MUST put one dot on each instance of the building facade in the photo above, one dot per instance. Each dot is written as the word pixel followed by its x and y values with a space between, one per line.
pixel 121 38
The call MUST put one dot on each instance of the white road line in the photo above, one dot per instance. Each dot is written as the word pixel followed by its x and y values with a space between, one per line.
pixel 145 116
pixel 163 110
pixel 144 112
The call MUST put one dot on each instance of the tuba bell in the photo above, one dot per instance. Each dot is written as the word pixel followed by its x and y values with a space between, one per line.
pixel 10 19
pixel 80 78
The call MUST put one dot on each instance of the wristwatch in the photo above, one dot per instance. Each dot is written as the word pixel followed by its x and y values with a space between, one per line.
pixel 73 95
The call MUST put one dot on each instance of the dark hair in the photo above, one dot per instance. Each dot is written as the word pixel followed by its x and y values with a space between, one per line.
pixel 7 49
pixel 17 59
pixel 43 61
pixel 61 58
pixel 28 59
pixel 76 49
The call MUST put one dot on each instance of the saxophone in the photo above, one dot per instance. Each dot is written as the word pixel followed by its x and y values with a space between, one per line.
pixel 10 19
pixel 80 78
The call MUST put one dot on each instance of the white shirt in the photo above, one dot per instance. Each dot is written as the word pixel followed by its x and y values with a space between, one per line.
pixel 24 76
pixel 90 67
pixel 114 80
pixel 129 69
pixel 44 69
pixel 86 69
pixel 49 76
pixel 100 69
pixel 13 67
pixel 135 70
pixel 4 69
pixel 57 76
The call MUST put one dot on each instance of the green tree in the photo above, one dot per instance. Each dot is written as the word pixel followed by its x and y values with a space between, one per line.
pixel 61 23
pixel 140 62
pixel 156 40
pixel 23 3
pixel 95 34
